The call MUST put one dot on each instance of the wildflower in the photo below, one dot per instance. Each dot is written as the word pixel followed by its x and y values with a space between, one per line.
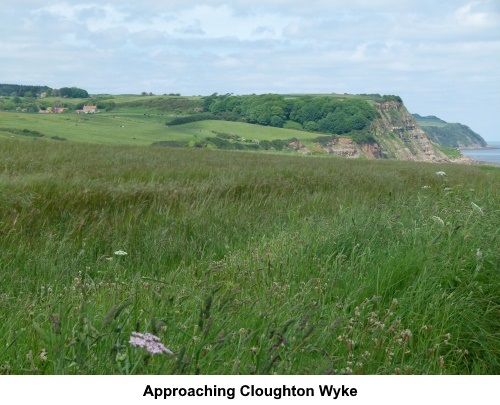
pixel 150 342
pixel 441 173
pixel 426 187
pixel 121 253
pixel 479 254
pixel 437 219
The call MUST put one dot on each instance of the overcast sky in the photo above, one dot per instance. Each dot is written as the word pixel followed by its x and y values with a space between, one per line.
pixel 441 56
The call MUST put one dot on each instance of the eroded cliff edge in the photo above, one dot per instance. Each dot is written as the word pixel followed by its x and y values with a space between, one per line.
pixel 396 135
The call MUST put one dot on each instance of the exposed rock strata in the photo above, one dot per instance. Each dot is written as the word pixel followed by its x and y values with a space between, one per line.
pixel 397 131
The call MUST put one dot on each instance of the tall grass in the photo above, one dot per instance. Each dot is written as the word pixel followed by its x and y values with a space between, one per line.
pixel 244 263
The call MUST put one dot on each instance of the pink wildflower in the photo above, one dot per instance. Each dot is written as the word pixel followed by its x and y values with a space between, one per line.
pixel 150 342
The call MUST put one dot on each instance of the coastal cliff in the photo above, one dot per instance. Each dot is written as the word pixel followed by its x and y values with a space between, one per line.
pixel 396 135
pixel 399 134
pixel 453 135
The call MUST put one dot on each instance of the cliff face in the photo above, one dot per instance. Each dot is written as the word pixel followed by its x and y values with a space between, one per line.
pixel 399 135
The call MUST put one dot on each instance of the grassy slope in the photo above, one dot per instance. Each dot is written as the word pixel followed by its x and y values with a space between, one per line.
pixel 244 263
pixel 430 121
pixel 132 127
pixel 139 120
pixel 247 131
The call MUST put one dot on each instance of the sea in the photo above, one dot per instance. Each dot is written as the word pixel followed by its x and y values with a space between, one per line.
pixel 485 155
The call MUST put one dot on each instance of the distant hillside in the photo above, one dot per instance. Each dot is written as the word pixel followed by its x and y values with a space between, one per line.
pixel 449 134
pixel 355 126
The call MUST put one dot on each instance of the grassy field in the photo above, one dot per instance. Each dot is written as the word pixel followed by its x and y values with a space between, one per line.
pixel 134 126
pixel 128 128
pixel 243 263
pixel 247 131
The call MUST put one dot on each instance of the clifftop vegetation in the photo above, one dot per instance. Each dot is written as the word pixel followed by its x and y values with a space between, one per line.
pixel 316 114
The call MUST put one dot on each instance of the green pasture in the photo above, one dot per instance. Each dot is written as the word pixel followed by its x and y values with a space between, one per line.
pixel 134 126
pixel 99 128
pixel 244 130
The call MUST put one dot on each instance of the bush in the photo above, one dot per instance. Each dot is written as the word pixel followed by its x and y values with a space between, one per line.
pixel 311 126
pixel 277 121
pixel 292 125
pixel 362 138
pixel 390 97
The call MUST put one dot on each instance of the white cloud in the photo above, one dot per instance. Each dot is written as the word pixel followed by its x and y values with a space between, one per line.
pixel 469 15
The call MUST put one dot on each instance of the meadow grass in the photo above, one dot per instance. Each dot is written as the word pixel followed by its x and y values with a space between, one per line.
pixel 452 153
pixel 244 263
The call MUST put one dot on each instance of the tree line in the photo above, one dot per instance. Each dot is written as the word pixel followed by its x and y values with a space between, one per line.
pixel 16 90
pixel 316 114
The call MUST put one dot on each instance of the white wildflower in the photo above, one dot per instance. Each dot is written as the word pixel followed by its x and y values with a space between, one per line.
pixel 477 208
pixel 441 173
pixel 121 253
pixel 437 219
pixel 426 187
pixel 151 342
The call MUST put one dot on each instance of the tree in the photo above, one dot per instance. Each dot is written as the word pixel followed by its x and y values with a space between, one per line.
pixel 73 92
pixel 357 121
pixel 311 126
pixel 277 121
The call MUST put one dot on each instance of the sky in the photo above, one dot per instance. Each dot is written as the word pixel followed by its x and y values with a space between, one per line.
pixel 441 56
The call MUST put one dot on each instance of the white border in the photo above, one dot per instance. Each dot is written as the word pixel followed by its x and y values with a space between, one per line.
pixel 123 390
